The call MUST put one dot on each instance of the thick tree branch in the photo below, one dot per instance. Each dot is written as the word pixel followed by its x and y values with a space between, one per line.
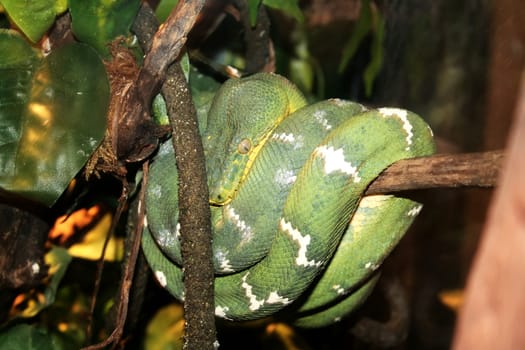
pixel 193 190
pixel 440 171
pixel 194 214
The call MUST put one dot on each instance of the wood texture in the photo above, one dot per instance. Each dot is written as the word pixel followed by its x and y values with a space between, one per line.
pixel 440 171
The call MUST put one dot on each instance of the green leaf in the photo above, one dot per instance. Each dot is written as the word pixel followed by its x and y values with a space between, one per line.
pixel 33 17
pixel 54 126
pixel 16 71
pixel 185 65
pixel 166 329
pixel 98 22
pixel 164 8
pixel 290 7
pixel 26 337
pixel 61 6
pixel 58 260
pixel 361 29
pixel 253 9
pixel 160 110
pixel 376 53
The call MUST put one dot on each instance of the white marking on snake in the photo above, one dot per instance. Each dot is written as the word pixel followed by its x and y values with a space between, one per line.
pixel 161 277
pixel 296 141
pixel 430 131
pixel 371 266
pixel 177 230
pixel 361 216
pixel 275 298
pixel 216 344
pixel 284 137
pixel 403 116
pixel 254 303
pixel 338 289
pixel 167 148
pixel 246 231
pixel 221 311
pixel 320 117
pixel 156 190
pixel 303 241
pixel 167 239
pixel 334 160
pixel 338 102
pixel 224 263
pixel 285 177
pixel 415 211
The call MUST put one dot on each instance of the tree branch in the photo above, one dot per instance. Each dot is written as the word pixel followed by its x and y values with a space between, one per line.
pixel 194 218
pixel 166 46
pixel 440 171
pixel 195 225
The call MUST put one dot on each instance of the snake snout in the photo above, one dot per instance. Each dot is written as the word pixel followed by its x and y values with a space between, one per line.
pixel 218 197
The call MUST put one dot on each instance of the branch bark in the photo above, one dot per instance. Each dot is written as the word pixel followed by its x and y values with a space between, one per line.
pixel 440 171
pixel 195 233
pixel 199 310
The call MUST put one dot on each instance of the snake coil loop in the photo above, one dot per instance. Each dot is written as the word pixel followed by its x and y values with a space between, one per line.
pixel 291 225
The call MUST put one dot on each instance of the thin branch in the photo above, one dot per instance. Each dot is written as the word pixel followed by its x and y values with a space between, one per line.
pixel 122 202
pixel 440 171
pixel 129 269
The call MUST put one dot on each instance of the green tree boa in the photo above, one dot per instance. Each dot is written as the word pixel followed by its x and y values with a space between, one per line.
pixel 291 227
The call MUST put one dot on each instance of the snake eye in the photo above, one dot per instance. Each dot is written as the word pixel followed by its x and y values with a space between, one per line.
pixel 244 146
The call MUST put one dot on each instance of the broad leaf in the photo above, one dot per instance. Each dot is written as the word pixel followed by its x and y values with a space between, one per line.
pixel 52 123
pixel 16 71
pixel 24 336
pixel 34 17
pixel 98 22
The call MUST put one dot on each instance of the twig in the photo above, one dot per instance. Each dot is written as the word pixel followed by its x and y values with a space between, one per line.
pixel 129 270
pixel 392 332
pixel 440 171
pixel 122 203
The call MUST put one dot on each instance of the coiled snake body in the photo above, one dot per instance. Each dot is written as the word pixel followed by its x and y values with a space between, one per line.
pixel 291 225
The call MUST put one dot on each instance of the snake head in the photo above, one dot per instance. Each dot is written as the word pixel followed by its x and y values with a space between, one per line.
pixel 242 117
